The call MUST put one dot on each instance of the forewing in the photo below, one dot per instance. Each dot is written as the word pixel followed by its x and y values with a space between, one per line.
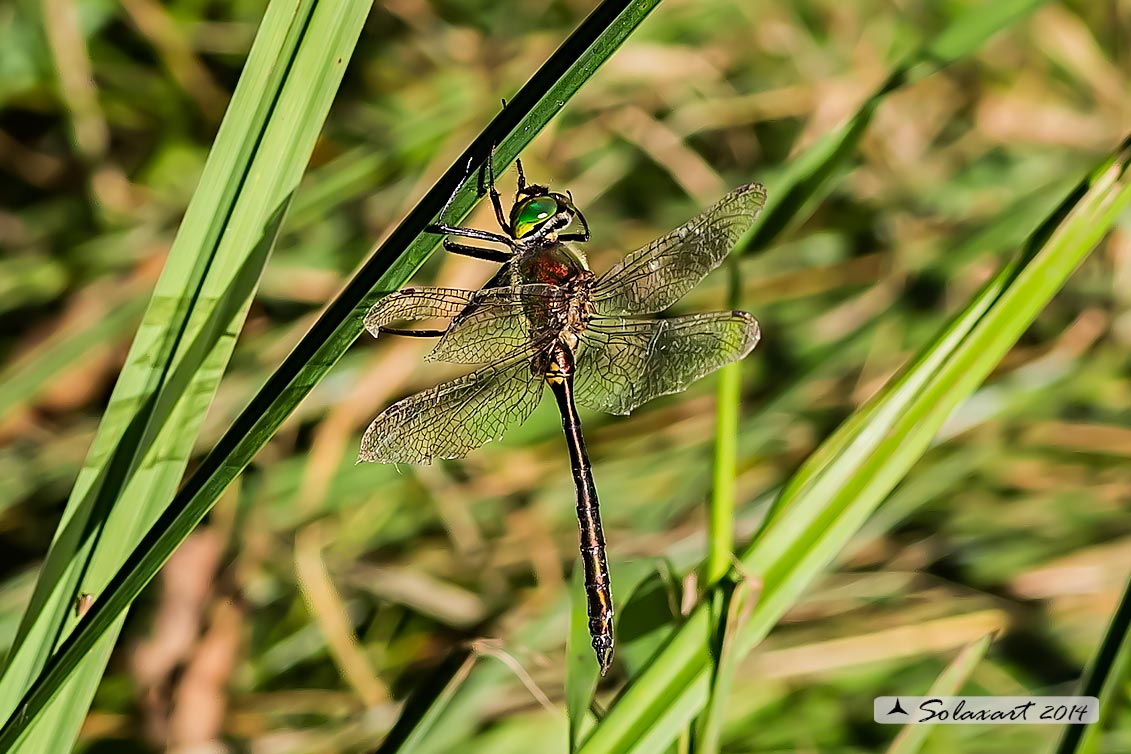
pixel 501 321
pixel 624 363
pixel 654 277
pixel 454 417
pixel 416 304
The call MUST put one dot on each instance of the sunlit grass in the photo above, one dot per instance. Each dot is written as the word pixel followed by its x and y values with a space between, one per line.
pixel 899 183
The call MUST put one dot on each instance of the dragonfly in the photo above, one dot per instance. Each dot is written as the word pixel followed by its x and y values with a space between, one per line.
pixel 545 319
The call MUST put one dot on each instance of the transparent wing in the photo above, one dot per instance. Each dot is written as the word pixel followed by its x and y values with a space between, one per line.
pixel 624 363
pixel 502 321
pixel 415 304
pixel 454 417
pixel 654 277
pixel 484 326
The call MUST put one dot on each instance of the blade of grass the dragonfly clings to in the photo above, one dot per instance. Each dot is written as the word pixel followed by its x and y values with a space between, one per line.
pixel 340 324
pixel 1106 679
pixel 181 348
pixel 911 738
pixel 730 611
pixel 791 198
pixel 835 490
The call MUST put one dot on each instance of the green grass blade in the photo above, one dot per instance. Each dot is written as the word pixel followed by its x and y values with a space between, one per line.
pixel 726 609
pixel 730 612
pixel 949 683
pixel 181 349
pixel 791 198
pixel 531 108
pixel 133 415
pixel 830 497
pixel 720 516
pixel 1106 679
pixel 21 381
pixel 428 704
pixel 720 542
pixel 581 672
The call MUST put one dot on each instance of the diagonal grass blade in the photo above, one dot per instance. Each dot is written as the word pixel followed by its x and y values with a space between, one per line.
pixel 831 496
pixel 531 108
pixel 183 344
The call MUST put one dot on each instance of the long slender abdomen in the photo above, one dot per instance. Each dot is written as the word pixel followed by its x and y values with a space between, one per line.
pixel 598 592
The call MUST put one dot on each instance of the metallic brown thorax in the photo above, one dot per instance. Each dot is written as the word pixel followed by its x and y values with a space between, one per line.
pixel 567 314
pixel 553 263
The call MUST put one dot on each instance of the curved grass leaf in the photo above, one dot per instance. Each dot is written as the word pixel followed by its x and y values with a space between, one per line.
pixel 406 248
pixel 21 381
pixel 581 673
pixel 429 704
pixel 728 405
pixel 1106 679
pixel 730 610
pixel 791 198
pixel 180 351
pixel 648 601
pixel 829 498
pixel 911 738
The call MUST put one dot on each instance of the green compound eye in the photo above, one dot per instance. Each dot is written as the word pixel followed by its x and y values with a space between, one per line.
pixel 532 213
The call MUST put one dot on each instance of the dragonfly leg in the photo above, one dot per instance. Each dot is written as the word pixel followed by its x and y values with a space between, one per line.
pixel 412 333
pixel 477 252
pixel 584 234
pixel 452 197
pixel 496 200
pixel 455 230
pixel 481 235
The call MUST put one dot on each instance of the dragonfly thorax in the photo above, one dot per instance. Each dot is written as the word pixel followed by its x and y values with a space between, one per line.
pixel 566 269
pixel 553 263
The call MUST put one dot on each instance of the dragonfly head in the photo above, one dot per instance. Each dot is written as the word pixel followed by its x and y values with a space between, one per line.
pixel 536 208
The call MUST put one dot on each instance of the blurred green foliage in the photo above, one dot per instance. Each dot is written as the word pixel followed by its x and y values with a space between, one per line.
pixel 1017 519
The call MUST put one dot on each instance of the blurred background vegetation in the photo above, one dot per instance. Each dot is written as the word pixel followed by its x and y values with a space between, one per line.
pixel 319 591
